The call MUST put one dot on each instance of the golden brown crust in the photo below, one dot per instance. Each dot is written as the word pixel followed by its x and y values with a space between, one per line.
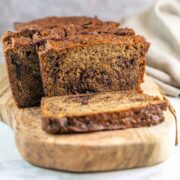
pixel 66 31
pixel 81 40
pixel 59 21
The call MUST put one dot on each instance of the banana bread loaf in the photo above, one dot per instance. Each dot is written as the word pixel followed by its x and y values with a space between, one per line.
pixel 103 111
pixel 92 63
pixel 23 62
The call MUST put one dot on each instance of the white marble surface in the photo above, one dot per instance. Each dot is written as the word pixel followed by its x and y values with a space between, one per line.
pixel 13 167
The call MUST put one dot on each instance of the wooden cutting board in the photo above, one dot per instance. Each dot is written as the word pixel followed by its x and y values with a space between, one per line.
pixel 97 151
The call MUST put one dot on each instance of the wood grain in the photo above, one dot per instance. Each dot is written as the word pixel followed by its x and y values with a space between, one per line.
pixel 88 152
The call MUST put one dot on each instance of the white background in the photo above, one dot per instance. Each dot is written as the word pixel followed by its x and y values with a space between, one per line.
pixel 12 166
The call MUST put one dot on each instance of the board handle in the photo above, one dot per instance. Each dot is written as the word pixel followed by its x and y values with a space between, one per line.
pixel 7 109
pixel 5 117
pixel 2 118
pixel 5 97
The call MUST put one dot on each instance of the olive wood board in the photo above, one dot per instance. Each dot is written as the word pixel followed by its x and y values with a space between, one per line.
pixel 87 152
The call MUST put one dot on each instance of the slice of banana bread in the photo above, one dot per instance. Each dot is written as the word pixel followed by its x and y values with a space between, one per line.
pixel 59 21
pixel 23 68
pixel 92 63
pixel 103 111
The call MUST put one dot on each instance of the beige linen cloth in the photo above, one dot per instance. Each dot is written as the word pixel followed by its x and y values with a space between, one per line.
pixel 161 27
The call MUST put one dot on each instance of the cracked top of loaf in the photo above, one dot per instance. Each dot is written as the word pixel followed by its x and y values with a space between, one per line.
pixel 135 43
pixel 69 30
pixel 20 38
pixel 86 31
pixel 31 35
pixel 59 21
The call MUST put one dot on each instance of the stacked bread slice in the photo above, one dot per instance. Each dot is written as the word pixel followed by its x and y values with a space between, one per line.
pixel 68 56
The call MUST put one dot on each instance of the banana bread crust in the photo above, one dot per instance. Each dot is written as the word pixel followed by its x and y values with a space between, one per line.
pixel 60 21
